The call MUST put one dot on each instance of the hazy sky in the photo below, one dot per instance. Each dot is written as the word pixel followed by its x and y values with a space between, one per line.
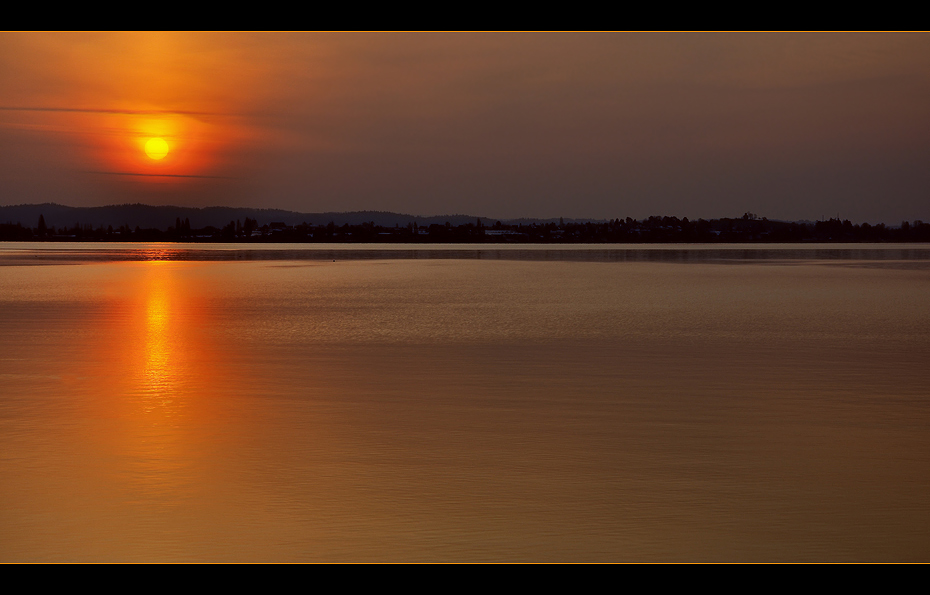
pixel 604 125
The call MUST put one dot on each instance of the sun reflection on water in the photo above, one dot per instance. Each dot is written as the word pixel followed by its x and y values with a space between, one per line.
pixel 157 373
pixel 160 254
pixel 168 384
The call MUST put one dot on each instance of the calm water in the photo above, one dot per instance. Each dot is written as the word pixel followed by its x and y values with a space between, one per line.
pixel 620 403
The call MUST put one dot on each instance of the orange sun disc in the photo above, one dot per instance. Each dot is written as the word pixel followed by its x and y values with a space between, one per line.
pixel 156 148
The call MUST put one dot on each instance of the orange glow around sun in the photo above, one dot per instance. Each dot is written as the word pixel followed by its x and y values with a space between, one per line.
pixel 147 108
pixel 153 143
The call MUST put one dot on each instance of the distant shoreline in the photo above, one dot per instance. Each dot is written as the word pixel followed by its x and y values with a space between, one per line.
pixel 655 230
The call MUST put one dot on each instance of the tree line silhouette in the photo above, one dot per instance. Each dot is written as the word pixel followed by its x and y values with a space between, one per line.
pixel 656 229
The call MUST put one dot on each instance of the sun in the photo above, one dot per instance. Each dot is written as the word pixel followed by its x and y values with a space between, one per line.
pixel 156 148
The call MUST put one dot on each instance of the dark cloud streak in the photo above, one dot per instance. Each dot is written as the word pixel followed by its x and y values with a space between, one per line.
pixel 129 173
pixel 108 111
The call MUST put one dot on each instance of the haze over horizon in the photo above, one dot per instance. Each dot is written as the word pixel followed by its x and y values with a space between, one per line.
pixel 541 125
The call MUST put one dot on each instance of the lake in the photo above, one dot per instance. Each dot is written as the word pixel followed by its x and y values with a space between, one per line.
pixel 600 403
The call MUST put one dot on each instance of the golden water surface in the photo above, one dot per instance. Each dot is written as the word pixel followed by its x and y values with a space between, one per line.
pixel 419 409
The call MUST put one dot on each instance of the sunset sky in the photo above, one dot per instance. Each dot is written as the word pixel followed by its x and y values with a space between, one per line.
pixel 600 125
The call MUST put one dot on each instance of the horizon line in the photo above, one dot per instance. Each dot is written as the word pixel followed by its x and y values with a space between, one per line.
pixel 502 219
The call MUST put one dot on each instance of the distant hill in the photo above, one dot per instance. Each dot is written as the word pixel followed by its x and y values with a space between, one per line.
pixel 163 217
